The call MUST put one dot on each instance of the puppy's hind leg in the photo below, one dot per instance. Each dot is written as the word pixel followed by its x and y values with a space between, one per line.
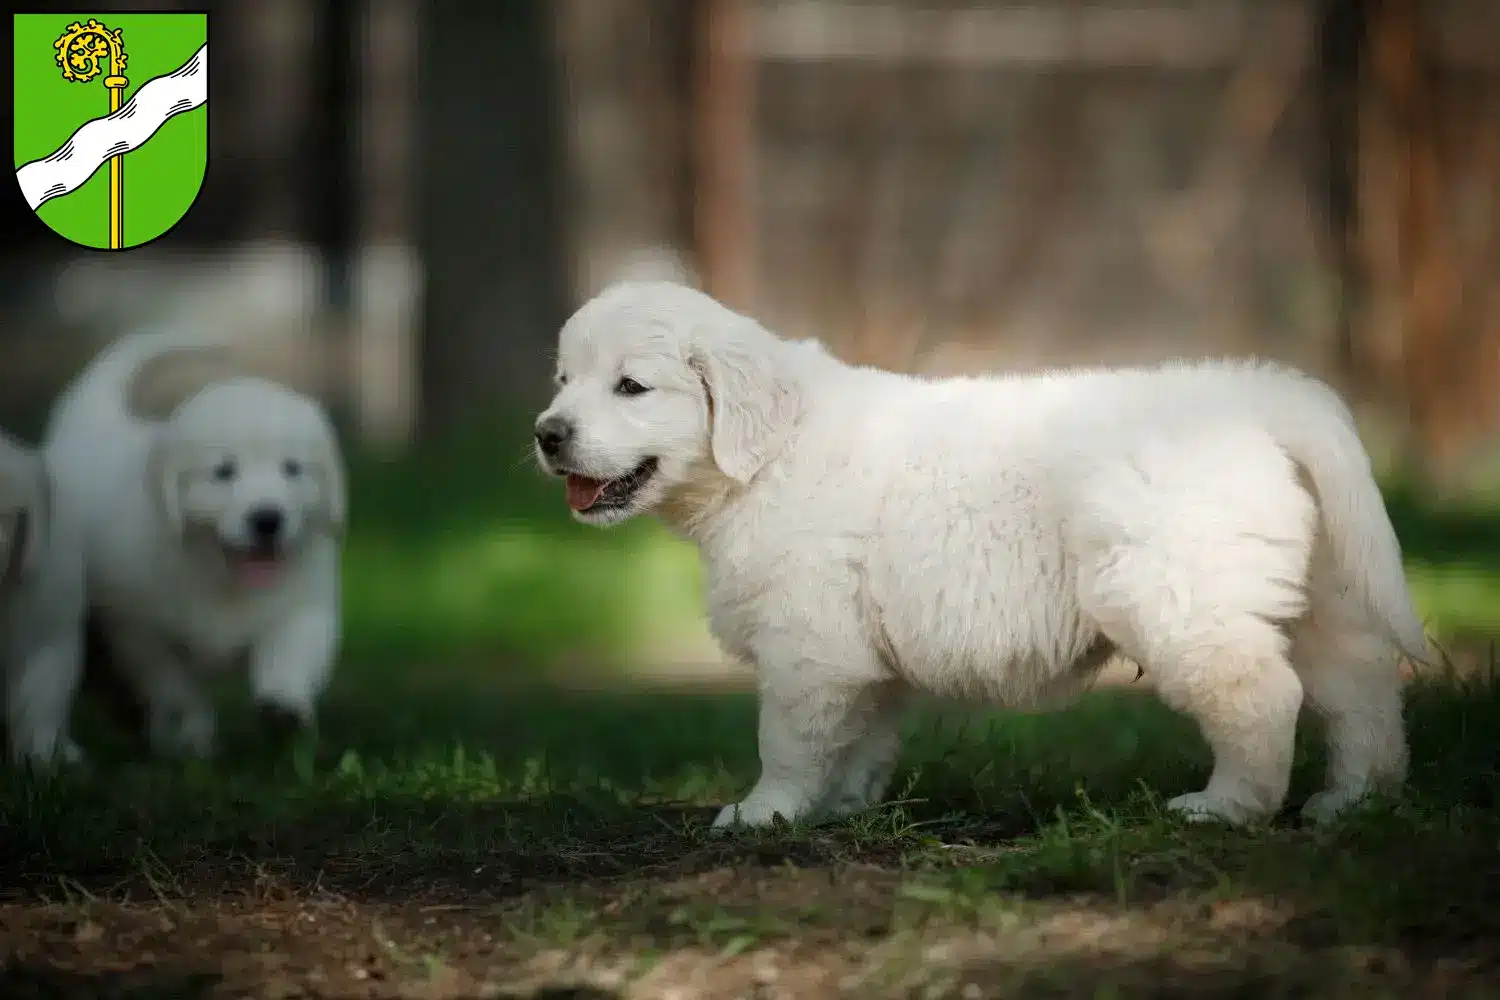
pixel 864 774
pixel 1353 681
pixel 1245 698
pixel 1190 565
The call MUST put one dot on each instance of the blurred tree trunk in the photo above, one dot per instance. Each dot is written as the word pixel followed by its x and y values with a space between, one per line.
pixel 1340 40
pixel 490 219
pixel 724 150
pixel 625 97
pixel 1408 336
pixel 333 188
pixel 386 275
pixel 272 49
pixel 1417 284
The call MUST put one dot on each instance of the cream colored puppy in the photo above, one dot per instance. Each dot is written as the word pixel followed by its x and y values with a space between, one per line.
pixel 211 506
pixel 41 611
pixel 865 534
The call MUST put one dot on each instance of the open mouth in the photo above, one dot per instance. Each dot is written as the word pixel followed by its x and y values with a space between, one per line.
pixel 586 495
pixel 255 565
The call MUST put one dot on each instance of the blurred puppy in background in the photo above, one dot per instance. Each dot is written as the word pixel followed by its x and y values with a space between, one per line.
pixel 211 504
pixel 41 611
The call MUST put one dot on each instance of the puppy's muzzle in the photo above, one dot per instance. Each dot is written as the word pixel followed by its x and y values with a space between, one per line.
pixel 553 435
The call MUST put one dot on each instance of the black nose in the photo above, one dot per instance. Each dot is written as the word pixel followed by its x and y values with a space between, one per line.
pixel 552 434
pixel 265 523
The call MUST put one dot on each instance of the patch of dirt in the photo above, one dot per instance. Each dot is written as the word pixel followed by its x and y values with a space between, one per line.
pixel 747 930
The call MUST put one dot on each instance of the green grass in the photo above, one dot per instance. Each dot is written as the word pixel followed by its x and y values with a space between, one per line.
pixel 1453 560
pixel 580 821
pixel 538 821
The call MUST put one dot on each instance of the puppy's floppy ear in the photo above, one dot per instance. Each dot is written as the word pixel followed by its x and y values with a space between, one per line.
pixel 164 473
pixel 25 511
pixel 753 399
pixel 333 499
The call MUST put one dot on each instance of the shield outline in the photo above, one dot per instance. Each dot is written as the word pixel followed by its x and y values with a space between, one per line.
pixel 27 27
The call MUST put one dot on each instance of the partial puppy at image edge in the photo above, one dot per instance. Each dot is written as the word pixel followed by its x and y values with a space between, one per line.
pixel 41 611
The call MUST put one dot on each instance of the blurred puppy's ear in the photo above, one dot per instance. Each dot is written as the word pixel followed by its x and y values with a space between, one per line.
pixel 332 509
pixel 164 480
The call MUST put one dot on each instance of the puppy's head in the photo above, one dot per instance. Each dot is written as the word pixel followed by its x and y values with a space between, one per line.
pixel 25 511
pixel 246 471
pixel 661 391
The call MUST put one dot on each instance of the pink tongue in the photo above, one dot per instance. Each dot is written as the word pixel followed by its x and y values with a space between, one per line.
pixel 584 492
pixel 258 572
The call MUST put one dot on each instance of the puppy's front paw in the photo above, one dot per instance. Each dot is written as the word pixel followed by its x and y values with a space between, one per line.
pixel 46 757
pixel 70 754
pixel 757 810
pixel 1204 807
pixel 728 818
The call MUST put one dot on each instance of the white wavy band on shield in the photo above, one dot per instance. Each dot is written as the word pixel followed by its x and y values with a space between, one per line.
pixel 89 148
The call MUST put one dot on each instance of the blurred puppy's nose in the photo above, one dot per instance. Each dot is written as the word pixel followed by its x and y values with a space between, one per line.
pixel 552 434
pixel 265 523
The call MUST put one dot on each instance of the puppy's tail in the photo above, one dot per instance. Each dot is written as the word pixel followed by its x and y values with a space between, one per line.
pixel 120 361
pixel 1318 431
pixel 146 373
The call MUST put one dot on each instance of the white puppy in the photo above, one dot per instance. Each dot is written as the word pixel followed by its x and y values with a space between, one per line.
pixel 866 533
pixel 41 610
pixel 211 506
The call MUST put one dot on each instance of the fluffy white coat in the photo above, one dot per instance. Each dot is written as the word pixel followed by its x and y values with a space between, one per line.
pixel 41 610
pixel 167 510
pixel 866 534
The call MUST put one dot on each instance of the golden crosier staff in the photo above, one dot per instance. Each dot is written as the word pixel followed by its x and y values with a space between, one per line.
pixel 80 52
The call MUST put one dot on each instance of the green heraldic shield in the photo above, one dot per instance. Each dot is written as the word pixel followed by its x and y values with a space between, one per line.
pixel 111 122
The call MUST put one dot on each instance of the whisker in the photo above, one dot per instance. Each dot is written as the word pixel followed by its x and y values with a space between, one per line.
pixel 527 455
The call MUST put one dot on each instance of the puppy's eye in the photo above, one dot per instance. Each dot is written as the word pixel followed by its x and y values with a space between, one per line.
pixel 630 387
pixel 560 379
pixel 291 468
pixel 224 471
